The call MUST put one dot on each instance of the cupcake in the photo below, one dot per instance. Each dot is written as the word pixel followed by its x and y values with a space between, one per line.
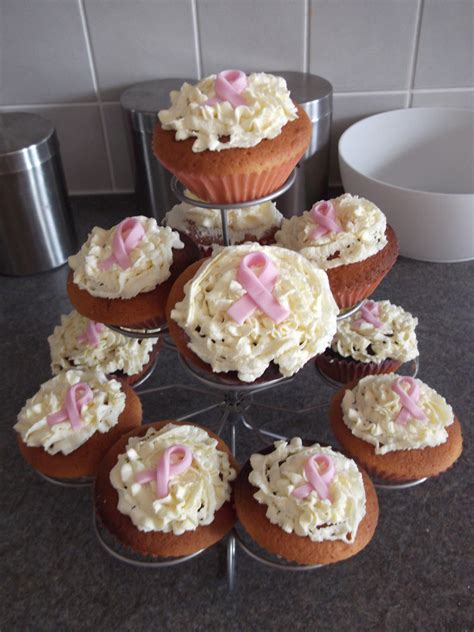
pixel 165 489
pixel 231 137
pixel 122 276
pixel 251 312
pixel 67 427
pixel 80 343
pixel 204 226
pixel 306 503
pixel 378 338
pixel 350 239
pixel 397 428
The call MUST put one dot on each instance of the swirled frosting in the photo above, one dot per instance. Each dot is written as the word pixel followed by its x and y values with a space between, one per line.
pixel 206 224
pixel 364 342
pixel 151 260
pixel 194 495
pixel 114 352
pixel 249 348
pixel 268 108
pixel 363 234
pixel 371 408
pixel 278 473
pixel 99 415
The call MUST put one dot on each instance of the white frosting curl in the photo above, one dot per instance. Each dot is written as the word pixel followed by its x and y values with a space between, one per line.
pixel 99 415
pixel 268 109
pixel 363 234
pixel 114 352
pixel 206 224
pixel 278 473
pixel 371 408
pixel 194 495
pixel 249 348
pixel 364 342
pixel 151 260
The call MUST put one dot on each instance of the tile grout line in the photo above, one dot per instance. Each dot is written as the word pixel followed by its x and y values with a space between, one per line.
pixel 414 55
pixel 197 38
pixel 306 36
pixel 90 56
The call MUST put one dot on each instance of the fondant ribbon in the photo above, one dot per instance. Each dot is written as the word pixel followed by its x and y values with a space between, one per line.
pixel 229 85
pixel 408 399
pixel 324 214
pixel 259 290
pixel 91 334
pixel 165 469
pixel 318 480
pixel 126 236
pixel 369 313
pixel 77 397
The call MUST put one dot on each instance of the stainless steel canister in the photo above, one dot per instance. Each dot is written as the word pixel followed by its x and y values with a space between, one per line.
pixel 314 94
pixel 142 102
pixel 36 227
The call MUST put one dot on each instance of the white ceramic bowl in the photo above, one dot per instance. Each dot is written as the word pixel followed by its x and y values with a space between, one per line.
pixel 417 165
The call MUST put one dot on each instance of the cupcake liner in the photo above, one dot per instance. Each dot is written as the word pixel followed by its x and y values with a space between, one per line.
pixel 349 370
pixel 236 187
pixel 348 297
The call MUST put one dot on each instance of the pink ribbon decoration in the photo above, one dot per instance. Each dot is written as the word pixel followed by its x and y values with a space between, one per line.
pixel 91 334
pixel 408 399
pixel 165 469
pixel 259 290
pixel 77 397
pixel 317 481
pixel 126 236
pixel 324 214
pixel 369 314
pixel 228 87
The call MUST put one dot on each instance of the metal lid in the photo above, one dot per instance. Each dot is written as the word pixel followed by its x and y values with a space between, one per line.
pixel 313 93
pixel 144 100
pixel 26 141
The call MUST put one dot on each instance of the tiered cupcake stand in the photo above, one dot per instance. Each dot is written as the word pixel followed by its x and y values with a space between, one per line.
pixel 234 400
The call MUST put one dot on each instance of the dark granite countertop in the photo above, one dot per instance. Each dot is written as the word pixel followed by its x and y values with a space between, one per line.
pixel 416 574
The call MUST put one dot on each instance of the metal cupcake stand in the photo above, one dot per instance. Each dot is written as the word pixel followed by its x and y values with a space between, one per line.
pixel 234 401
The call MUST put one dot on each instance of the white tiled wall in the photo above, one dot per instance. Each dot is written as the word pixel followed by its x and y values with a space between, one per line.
pixel 69 60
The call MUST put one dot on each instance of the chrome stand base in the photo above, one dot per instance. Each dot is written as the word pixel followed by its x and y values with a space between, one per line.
pixel 83 481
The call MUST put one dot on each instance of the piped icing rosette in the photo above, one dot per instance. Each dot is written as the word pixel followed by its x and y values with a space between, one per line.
pixel 252 222
pixel 125 260
pixel 190 496
pixel 220 117
pixel 392 412
pixel 82 343
pixel 292 321
pixel 330 510
pixel 341 231
pixel 377 331
pixel 96 408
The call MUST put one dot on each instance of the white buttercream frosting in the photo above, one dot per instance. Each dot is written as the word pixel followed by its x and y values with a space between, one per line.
pixel 99 415
pixel 268 109
pixel 249 348
pixel 363 234
pixel 114 352
pixel 278 473
pixel 194 495
pixel 151 260
pixel 362 341
pixel 253 222
pixel 371 408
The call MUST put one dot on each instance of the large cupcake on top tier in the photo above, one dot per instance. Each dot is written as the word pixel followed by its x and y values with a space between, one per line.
pixel 350 239
pixel 122 276
pixel 252 312
pixel 231 137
